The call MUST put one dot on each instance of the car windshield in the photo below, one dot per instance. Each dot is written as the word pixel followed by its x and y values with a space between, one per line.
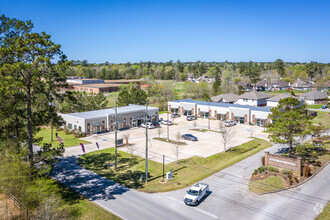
pixel 193 192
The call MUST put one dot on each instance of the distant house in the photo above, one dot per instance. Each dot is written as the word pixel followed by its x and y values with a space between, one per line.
pixel 314 97
pixel 273 101
pixel 263 85
pixel 301 85
pixel 245 86
pixel 225 98
pixel 253 98
pixel 190 77
pixel 281 85
pixel 145 87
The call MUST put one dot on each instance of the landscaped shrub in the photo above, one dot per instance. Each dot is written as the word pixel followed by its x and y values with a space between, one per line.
pixel 306 171
pixel 263 160
pixel 274 169
pixel 318 163
pixel 291 182
pixel 296 179
pixel 287 172
pixel 262 169
pixel 255 172
pixel 290 177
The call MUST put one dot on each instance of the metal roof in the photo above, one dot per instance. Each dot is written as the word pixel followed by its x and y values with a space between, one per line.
pixel 225 105
pixel 111 111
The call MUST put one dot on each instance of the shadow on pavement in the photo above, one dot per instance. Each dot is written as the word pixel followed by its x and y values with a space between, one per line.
pixel 85 182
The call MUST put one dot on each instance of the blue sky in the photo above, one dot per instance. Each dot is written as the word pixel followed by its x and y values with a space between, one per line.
pixel 233 30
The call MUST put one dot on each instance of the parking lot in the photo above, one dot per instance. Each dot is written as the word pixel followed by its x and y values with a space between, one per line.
pixel 208 144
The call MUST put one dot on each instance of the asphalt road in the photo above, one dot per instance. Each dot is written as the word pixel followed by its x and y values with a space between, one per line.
pixel 229 197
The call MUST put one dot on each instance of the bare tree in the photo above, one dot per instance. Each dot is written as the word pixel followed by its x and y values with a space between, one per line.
pixel 177 148
pixel 126 137
pixel 195 124
pixel 131 149
pixel 226 135
pixel 159 131
pixel 50 208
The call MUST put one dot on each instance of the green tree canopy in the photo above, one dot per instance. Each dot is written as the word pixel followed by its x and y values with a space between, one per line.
pixel 132 95
pixel 289 122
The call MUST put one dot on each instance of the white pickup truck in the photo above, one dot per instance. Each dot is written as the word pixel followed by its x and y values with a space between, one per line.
pixel 196 194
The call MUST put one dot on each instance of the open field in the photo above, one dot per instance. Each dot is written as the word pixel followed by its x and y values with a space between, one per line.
pixel 272 183
pixel 322 118
pixel 186 171
pixel 68 139
pixel 111 98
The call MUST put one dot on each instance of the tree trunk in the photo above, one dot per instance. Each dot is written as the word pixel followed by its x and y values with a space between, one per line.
pixel 30 130
pixel 290 148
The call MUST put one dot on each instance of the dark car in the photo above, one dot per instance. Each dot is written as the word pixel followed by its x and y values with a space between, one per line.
pixel 157 124
pixel 175 115
pixel 191 117
pixel 189 137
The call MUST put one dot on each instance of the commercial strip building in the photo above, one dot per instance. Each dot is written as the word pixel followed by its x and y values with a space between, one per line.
pixel 97 88
pixel 104 120
pixel 221 111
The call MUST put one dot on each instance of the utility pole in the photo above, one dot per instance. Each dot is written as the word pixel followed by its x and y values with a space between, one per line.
pixel 146 166
pixel 163 165
pixel 208 118
pixel 116 134
pixel 168 138
pixel 51 104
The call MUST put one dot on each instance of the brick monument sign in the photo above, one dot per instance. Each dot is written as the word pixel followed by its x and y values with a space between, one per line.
pixel 283 162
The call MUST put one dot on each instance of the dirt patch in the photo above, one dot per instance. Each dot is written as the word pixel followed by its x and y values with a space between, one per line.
pixel 8 210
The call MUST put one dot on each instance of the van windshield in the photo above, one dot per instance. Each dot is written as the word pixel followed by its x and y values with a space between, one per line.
pixel 193 192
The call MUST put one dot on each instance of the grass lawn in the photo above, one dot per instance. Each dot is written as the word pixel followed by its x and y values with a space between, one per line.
pixel 322 118
pixel 111 97
pixel 170 141
pixel 68 139
pixel 314 106
pixel 325 215
pixel 82 208
pixel 272 183
pixel 186 172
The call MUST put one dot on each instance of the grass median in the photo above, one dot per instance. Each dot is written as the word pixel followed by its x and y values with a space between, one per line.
pixel 68 139
pixel 272 183
pixel 186 172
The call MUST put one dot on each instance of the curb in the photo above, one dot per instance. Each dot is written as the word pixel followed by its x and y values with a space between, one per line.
pixel 297 184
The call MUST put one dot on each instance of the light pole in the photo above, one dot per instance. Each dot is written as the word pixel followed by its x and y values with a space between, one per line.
pixel 116 134
pixel 208 118
pixel 168 138
pixel 146 165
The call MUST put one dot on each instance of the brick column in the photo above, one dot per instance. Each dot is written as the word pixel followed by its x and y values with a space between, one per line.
pixel 266 158
pixel 298 164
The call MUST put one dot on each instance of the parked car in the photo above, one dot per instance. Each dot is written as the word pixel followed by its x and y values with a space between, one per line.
pixel 229 123
pixel 324 106
pixel 196 193
pixel 149 125
pixel 166 122
pixel 191 117
pixel 175 115
pixel 157 124
pixel 189 137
